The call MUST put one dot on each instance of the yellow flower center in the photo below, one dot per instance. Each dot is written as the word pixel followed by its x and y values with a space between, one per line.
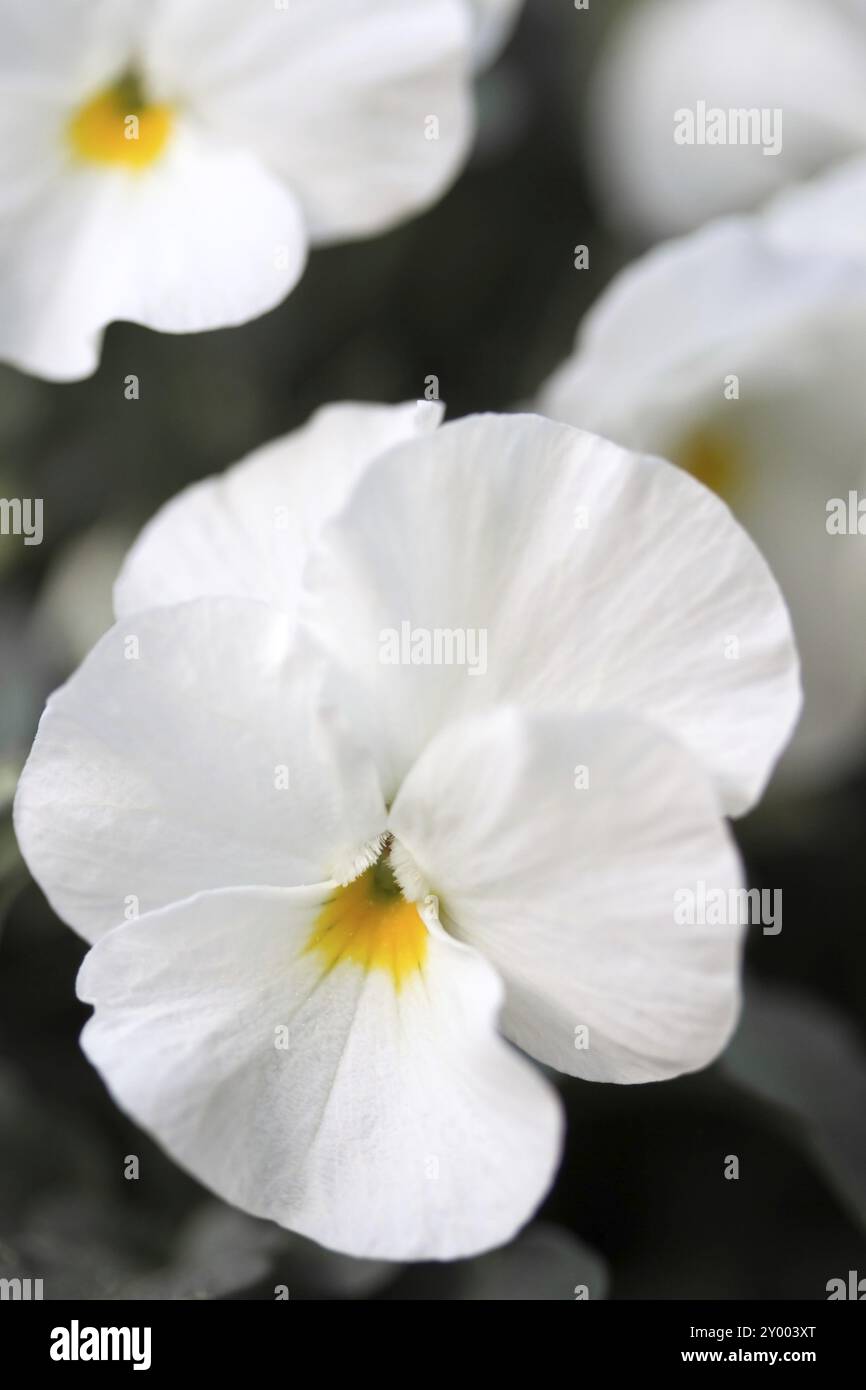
pixel 119 126
pixel 711 458
pixel 369 923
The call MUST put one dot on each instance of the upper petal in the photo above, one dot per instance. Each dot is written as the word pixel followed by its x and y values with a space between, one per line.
pixel 733 297
pixel 66 49
pixel 802 60
pixel 338 97
pixel 557 847
pixel 191 750
pixel 247 532
pixel 570 575
pixel 381 1123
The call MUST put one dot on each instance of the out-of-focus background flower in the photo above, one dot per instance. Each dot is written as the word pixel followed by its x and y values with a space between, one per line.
pixel 483 294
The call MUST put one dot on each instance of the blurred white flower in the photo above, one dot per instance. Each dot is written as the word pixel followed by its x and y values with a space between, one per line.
pixel 737 353
pixel 171 163
pixel 74 608
pixel 802 59
pixel 341 876
pixel 494 21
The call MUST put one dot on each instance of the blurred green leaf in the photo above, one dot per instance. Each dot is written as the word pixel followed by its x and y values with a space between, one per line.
pixel 804 1057
pixel 544 1263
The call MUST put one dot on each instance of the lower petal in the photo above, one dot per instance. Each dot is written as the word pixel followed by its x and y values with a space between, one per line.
pixel 205 238
pixel 380 1120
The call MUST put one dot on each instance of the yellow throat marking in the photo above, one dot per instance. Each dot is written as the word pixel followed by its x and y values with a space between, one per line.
pixel 118 126
pixel 712 459
pixel 369 923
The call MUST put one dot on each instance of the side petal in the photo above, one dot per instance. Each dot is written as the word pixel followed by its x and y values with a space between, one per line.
pixel 364 107
pixel 191 750
pixel 558 848
pixel 142 246
pixel 570 575
pixel 385 1124
pixel 247 532
pixel 64 52
pixel 739 298
pixel 736 296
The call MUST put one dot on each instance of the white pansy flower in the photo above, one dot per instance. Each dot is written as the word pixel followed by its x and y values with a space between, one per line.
pixel 427 731
pixel 170 163
pixel 736 352
pixel 804 60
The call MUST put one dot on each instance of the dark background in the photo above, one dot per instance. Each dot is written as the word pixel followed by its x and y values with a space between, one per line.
pixel 482 292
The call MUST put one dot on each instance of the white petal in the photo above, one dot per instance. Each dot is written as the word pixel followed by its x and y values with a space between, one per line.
pixel 740 298
pixel 805 60
pixel 475 529
pixel 66 49
pixel 248 531
pixel 205 761
pixel 726 299
pixel 205 238
pixel 395 1125
pixel 570 890
pixel 334 97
